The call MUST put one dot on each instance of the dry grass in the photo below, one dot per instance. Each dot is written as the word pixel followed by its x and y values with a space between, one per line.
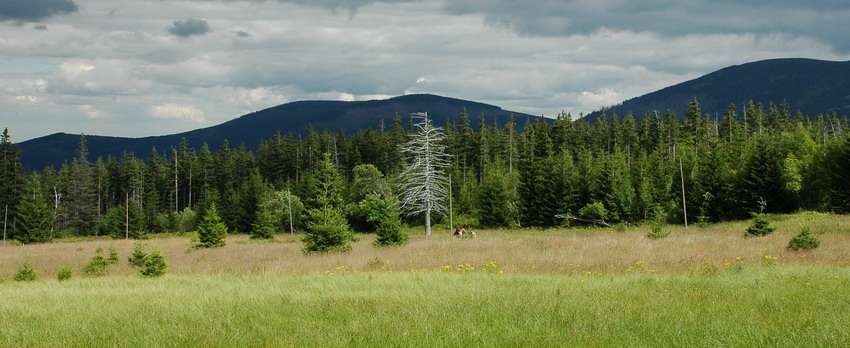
pixel 522 251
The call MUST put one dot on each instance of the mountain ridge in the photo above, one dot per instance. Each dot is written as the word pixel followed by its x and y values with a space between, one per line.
pixel 809 85
pixel 251 128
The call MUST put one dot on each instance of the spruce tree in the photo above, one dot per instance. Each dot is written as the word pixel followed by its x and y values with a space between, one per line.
pixel 35 219
pixel 759 226
pixel 268 219
pixel 839 194
pixel 211 230
pixel 327 228
pixel 80 200
pixel 11 182
pixel 383 211
pixel 493 199
pixel 762 177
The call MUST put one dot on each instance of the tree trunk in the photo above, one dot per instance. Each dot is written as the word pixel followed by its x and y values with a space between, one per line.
pixel 684 204
pixel 428 222
pixel 289 203
pixel 176 192
pixel 5 220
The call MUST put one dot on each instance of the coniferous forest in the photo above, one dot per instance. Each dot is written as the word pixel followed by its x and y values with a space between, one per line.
pixel 700 167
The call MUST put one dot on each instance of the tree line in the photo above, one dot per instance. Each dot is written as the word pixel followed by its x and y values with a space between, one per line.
pixel 701 167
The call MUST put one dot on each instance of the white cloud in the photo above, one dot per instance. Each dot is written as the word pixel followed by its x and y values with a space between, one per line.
pixel 255 98
pixel 177 112
pixel 605 97
pixel 27 99
pixel 116 57
pixel 91 112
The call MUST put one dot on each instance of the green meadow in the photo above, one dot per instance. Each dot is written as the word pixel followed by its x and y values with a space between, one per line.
pixel 746 306
pixel 576 287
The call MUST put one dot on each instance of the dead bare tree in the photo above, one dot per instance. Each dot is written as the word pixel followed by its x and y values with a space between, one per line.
pixel 423 183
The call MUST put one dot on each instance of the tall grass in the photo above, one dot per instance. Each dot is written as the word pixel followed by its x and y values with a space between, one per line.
pixel 521 251
pixel 744 306
pixel 563 287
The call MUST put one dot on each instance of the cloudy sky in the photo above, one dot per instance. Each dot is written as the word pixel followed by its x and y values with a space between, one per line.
pixel 149 67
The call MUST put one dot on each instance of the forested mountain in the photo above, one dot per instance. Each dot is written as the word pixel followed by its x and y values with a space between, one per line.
pixel 348 117
pixel 617 171
pixel 811 86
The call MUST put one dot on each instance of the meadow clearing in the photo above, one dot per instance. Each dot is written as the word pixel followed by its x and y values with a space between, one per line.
pixel 587 287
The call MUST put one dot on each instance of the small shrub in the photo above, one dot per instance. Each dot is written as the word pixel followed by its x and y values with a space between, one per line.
pixel 594 211
pixel 186 221
pixel 657 224
pixel 25 273
pixel 65 273
pixel 804 241
pixel 760 226
pixel 211 230
pixel 155 265
pixel 384 212
pixel 97 266
pixel 113 254
pixel 137 258
pixel 702 221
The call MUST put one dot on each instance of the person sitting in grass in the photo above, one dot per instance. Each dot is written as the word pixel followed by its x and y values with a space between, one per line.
pixel 462 232
pixel 457 231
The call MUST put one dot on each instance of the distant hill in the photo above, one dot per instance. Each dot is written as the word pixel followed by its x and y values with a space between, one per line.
pixel 251 128
pixel 811 86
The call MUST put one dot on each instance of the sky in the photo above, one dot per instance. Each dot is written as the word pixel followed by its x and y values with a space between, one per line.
pixel 151 67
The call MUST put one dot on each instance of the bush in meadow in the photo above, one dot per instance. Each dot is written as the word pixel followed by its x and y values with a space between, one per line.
pixel 759 226
pixel 804 241
pixel 97 266
pixel 25 273
pixel 155 265
pixel 384 212
pixel 137 258
pixel 657 225
pixel 211 230
pixel 65 273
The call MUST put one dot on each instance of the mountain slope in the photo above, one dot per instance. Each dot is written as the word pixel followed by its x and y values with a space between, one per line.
pixel 251 128
pixel 811 86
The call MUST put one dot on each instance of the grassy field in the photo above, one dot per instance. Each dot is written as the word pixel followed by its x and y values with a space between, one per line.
pixel 698 287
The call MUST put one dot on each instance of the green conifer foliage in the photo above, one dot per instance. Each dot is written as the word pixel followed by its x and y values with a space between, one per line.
pixel 155 265
pixel 268 220
pixel 25 273
pixel 211 230
pixel 327 228
pixel 493 199
pixel 804 241
pixel 384 212
pixel 762 177
pixel 839 193
pixel 759 226
pixel 11 182
pixel 123 221
pixel 35 219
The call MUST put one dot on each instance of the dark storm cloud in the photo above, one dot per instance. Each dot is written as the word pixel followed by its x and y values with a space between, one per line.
pixel 34 10
pixel 189 27
pixel 824 20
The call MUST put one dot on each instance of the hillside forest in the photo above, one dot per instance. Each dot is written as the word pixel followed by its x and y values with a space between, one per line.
pixel 706 168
